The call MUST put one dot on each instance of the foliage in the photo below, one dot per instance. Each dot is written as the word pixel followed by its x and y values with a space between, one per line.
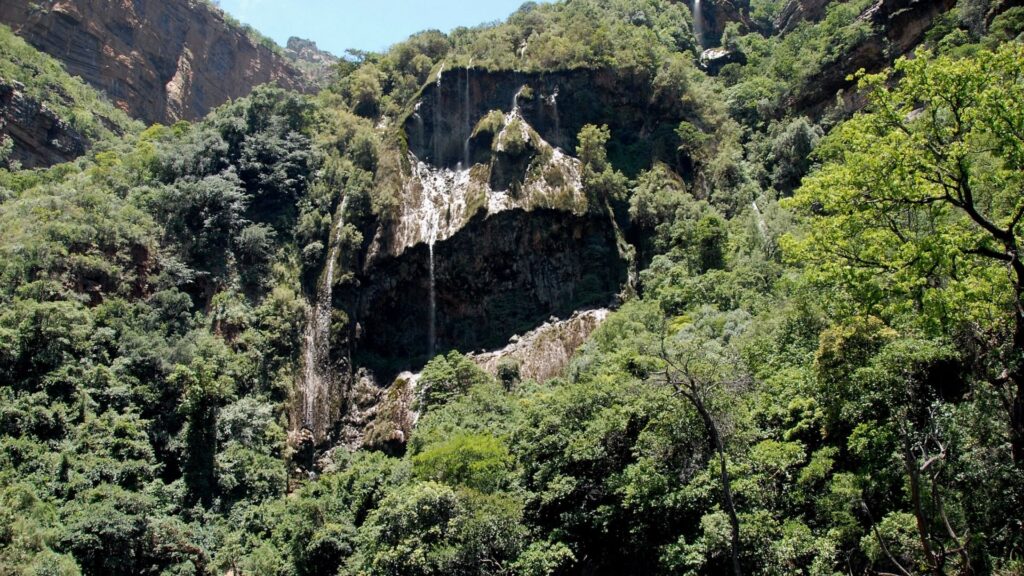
pixel 44 80
pixel 821 385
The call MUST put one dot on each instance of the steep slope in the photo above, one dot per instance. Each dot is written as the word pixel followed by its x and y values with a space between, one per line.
pixel 897 27
pixel 159 60
pixel 46 116
pixel 633 357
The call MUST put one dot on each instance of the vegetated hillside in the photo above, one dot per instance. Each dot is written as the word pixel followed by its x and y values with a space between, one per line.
pixel 813 365
pixel 46 116
pixel 158 60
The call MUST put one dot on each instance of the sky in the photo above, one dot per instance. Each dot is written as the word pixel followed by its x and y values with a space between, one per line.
pixel 336 25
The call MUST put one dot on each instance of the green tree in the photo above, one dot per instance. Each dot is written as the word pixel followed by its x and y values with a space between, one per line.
pixel 918 211
pixel 205 387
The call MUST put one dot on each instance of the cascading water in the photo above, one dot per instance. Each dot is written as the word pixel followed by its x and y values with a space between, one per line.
pixel 761 226
pixel 442 200
pixel 467 119
pixel 316 370
pixel 698 22
pixel 432 330
pixel 515 97
pixel 435 137
pixel 553 102
pixel 420 129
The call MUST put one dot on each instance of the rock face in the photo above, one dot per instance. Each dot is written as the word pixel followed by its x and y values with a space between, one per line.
pixel 445 129
pixel 40 136
pixel 492 235
pixel 315 64
pixel 797 11
pixel 468 265
pixel 159 60
pixel 898 26
pixel 545 352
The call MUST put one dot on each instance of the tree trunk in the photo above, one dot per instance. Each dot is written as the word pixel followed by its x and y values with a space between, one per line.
pixel 1016 381
pixel 730 508
pixel 915 499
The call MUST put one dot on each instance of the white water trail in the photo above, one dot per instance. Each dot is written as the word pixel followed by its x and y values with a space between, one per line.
pixel 698 22
pixel 553 102
pixel 467 120
pixel 515 98
pixel 434 137
pixel 432 329
pixel 761 226
pixel 420 128
pixel 316 369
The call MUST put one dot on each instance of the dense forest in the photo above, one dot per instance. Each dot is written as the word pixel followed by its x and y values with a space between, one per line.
pixel 814 363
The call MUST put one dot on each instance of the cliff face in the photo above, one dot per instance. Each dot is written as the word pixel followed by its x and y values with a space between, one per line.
pixel 546 352
pixel 897 27
pixel 159 60
pixel 493 235
pixel 39 135
pixel 446 130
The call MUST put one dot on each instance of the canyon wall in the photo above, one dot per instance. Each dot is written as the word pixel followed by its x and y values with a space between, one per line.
pixel 159 60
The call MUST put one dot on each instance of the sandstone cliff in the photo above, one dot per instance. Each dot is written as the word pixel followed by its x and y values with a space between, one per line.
pixel 159 60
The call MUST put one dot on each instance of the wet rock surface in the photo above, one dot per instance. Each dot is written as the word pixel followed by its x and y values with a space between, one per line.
pixel 557 105
pixel 500 275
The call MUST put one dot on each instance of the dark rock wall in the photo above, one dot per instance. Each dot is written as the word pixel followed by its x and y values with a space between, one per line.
pixel 159 60
pixel 497 277
pixel 898 27
pixel 557 105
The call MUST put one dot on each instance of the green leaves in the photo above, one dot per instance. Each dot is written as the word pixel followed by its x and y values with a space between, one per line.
pixel 475 461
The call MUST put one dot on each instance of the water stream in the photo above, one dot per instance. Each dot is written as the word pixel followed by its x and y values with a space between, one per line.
pixel 698 22
pixel 761 226
pixel 316 370
pixel 553 102
pixel 467 119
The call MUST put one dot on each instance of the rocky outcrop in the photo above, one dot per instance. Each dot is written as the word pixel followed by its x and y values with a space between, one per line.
pixel 545 352
pixel 796 11
pixel 40 136
pixel 316 65
pixel 897 27
pixel 713 60
pixel 159 60
pixel 493 233
pixel 500 275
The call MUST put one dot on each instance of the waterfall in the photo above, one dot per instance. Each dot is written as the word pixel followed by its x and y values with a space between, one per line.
pixel 761 226
pixel 698 22
pixel 420 129
pixel 467 117
pixel 435 137
pixel 432 328
pixel 432 333
pixel 441 202
pixel 553 102
pixel 316 354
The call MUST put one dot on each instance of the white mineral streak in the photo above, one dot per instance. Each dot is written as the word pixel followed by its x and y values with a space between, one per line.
pixel 438 202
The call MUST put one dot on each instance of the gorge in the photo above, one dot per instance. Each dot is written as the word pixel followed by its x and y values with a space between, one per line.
pixel 601 288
